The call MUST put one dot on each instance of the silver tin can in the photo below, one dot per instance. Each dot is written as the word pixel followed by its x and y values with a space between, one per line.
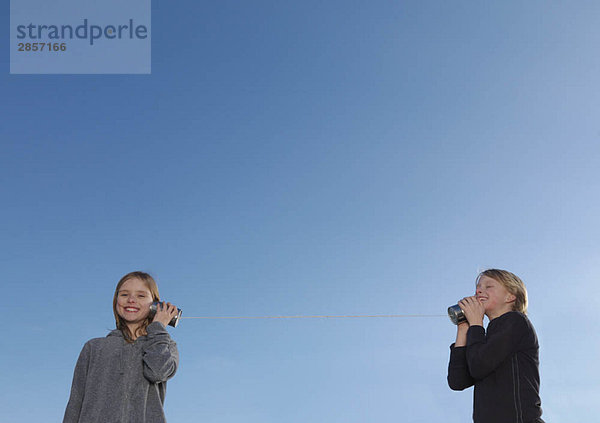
pixel 174 321
pixel 456 315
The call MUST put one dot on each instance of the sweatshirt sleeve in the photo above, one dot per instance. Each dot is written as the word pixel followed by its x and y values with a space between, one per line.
pixel 160 354
pixel 458 371
pixel 78 386
pixel 485 354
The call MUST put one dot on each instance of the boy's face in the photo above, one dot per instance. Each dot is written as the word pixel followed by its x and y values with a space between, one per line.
pixel 133 301
pixel 494 296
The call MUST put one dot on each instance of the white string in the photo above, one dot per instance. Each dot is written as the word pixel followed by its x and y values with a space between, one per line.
pixel 317 316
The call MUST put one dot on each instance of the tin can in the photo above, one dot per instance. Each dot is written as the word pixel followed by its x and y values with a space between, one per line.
pixel 456 315
pixel 154 306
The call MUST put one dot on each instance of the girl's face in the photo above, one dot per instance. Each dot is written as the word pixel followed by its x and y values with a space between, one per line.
pixel 494 296
pixel 133 301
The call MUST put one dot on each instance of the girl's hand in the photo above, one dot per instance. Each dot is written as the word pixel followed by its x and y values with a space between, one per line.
pixel 473 309
pixel 165 313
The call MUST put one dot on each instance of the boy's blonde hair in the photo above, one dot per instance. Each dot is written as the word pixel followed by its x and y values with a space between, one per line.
pixel 512 283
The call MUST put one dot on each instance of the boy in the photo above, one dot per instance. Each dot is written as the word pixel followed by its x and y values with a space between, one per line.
pixel 502 363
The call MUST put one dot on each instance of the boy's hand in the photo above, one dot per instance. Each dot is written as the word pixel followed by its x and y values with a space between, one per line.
pixel 165 313
pixel 463 326
pixel 473 309
pixel 461 334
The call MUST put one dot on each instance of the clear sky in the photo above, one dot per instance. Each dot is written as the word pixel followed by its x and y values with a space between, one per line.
pixel 313 157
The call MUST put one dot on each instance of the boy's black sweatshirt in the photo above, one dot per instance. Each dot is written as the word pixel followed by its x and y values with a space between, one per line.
pixel 503 365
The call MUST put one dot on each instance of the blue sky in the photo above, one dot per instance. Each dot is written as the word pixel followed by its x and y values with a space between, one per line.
pixel 310 158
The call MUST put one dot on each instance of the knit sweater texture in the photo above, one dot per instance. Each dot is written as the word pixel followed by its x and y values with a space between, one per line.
pixel 119 382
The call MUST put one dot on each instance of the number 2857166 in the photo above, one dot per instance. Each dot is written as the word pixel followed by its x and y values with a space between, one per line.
pixel 42 46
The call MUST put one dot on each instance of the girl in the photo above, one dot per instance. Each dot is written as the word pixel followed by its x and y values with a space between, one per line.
pixel 502 363
pixel 123 377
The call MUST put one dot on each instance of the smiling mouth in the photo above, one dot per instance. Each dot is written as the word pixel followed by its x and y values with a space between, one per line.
pixel 131 309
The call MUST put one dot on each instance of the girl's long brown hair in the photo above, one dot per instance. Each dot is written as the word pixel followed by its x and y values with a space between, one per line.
pixel 120 322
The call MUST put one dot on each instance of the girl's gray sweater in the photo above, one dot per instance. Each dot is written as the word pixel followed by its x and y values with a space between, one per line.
pixel 118 382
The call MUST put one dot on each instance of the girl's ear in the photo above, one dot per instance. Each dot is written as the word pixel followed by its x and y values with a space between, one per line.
pixel 510 298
